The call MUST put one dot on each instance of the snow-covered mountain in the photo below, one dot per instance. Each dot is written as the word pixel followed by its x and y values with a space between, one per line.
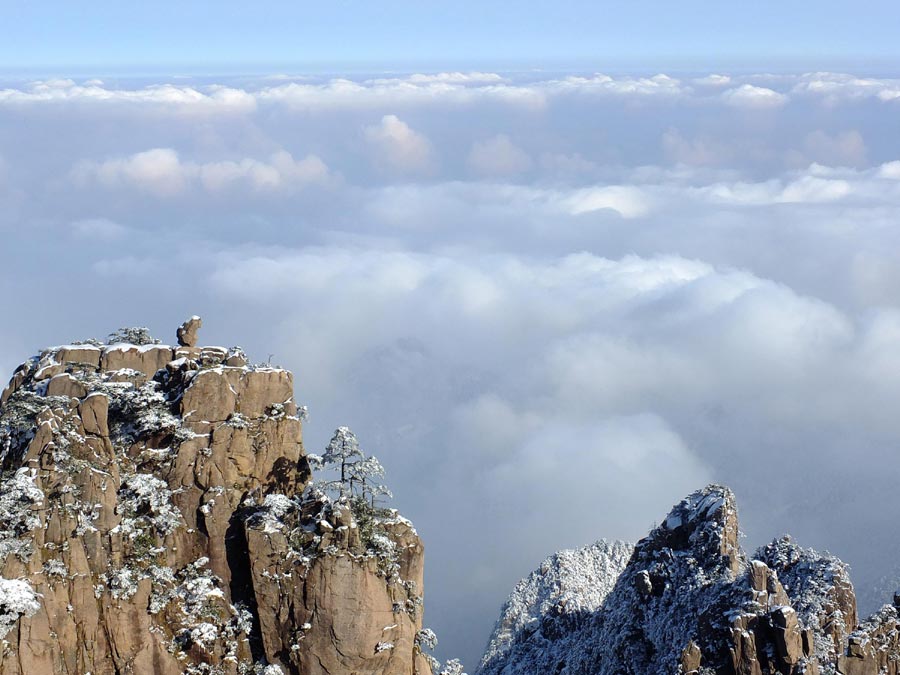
pixel 551 600
pixel 690 600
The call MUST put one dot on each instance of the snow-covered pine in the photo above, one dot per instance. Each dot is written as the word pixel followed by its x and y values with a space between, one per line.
pixel 132 335
pixel 342 451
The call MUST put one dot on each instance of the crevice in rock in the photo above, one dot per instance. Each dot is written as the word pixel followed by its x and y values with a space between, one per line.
pixel 242 592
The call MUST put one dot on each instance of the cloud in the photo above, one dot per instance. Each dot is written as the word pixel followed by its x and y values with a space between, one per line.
pixel 804 189
pixel 399 148
pixel 498 156
pixel 610 288
pixel 162 173
pixel 158 171
pixel 179 98
pixel 846 148
pixel 343 93
pixel 890 170
pixel 657 85
pixel 627 201
pixel 98 229
pixel 456 77
pixel 713 80
pixel 281 171
pixel 697 151
pixel 750 96
pixel 558 163
pixel 837 87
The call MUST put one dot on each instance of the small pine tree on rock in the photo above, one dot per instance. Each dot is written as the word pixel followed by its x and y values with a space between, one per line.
pixel 132 335
pixel 342 453
pixel 358 475
pixel 364 476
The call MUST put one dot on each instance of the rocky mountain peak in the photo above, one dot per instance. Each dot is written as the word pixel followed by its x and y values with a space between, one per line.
pixel 155 516
pixel 690 600
pixel 705 525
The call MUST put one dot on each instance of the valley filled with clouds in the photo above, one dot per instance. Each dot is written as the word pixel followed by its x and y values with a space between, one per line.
pixel 551 303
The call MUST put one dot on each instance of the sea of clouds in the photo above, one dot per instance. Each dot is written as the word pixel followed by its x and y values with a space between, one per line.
pixel 552 304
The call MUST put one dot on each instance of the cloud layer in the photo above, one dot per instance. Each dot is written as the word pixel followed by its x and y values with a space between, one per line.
pixel 552 304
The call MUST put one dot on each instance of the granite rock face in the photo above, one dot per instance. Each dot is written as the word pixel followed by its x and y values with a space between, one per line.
pixel 690 600
pixel 154 517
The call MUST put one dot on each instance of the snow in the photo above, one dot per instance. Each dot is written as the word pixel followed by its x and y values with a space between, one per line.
pixel 17 599
pixel 147 495
pixel 140 349
pixel 87 347
pixel 814 582
pixel 19 498
pixel 205 634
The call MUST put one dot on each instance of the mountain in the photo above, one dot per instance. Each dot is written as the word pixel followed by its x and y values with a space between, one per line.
pixel 690 600
pixel 156 515
pixel 551 601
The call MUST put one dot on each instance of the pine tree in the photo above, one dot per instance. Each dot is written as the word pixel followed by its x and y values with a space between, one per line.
pixel 364 474
pixel 343 453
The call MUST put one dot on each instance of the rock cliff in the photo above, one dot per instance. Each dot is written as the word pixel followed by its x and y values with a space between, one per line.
pixel 690 600
pixel 155 516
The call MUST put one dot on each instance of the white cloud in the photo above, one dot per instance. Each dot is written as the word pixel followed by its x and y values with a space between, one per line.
pixel 281 171
pixel 627 201
pixel 657 85
pixel 451 88
pixel 393 93
pixel 400 148
pixel 158 171
pixel 810 189
pixel 750 96
pixel 890 170
pixel 837 87
pixel 162 172
pixel 498 156
pixel 179 98
pixel 713 80
pixel 456 77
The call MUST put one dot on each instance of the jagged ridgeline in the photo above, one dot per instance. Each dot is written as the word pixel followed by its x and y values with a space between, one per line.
pixel 687 599
pixel 155 517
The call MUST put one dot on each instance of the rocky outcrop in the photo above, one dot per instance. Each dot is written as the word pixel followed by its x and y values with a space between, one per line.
pixel 154 517
pixel 691 601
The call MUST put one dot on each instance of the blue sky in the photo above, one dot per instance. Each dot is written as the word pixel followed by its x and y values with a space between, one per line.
pixel 109 36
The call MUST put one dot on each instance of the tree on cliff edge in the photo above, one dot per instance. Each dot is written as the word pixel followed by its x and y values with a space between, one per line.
pixel 358 473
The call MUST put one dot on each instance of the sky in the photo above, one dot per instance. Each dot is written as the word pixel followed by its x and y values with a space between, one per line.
pixel 110 36
pixel 552 298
